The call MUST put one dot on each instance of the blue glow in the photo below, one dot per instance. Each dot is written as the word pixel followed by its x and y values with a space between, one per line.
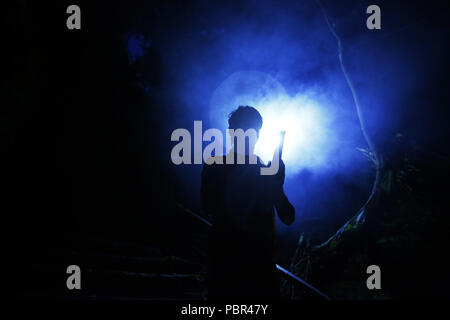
pixel 309 137
pixel 285 65
pixel 306 126
pixel 136 45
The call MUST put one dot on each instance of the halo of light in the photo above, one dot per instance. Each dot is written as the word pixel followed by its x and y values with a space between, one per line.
pixel 308 141
pixel 306 126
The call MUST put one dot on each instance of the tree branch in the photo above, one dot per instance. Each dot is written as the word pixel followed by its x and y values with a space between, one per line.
pixel 359 218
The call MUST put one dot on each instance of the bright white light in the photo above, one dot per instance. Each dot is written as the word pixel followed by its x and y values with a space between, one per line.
pixel 309 141
pixel 306 129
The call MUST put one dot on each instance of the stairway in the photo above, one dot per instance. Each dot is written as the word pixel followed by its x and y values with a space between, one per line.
pixel 117 270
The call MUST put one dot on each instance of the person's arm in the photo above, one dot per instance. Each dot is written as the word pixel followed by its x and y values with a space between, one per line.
pixel 285 210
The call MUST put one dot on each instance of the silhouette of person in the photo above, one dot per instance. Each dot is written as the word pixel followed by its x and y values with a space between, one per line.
pixel 241 204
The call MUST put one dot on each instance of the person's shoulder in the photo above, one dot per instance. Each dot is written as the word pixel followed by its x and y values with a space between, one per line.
pixel 214 162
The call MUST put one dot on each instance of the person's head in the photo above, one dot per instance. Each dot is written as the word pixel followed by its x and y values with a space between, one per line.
pixel 245 118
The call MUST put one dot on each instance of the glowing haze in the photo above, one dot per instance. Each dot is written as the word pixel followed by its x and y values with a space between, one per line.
pixel 309 137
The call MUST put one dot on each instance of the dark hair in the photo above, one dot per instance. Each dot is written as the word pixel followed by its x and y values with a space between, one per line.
pixel 245 117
